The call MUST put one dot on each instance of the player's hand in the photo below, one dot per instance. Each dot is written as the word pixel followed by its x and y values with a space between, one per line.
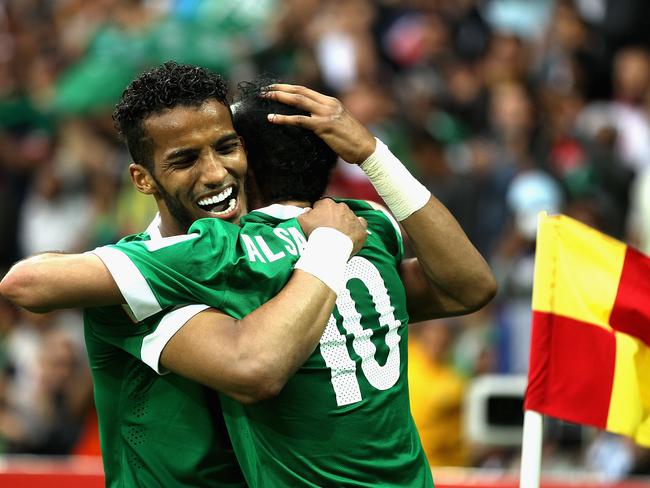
pixel 329 119
pixel 328 213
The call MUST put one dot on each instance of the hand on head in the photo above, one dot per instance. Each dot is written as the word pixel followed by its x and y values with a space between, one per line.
pixel 329 119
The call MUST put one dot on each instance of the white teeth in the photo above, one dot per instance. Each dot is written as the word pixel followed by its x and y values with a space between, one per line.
pixel 216 198
pixel 231 206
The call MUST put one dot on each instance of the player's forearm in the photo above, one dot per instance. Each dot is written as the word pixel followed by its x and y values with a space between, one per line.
pixel 30 284
pixel 282 333
pixel 251 359
pixel 459 280
pixel 52 281
pixel 277 338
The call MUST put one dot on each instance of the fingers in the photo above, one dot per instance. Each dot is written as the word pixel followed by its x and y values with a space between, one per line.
pixel 317 104
pixel 273 90
pixel 297 120
pixel 297 100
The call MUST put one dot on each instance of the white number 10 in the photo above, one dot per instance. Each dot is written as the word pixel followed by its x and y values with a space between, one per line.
pixel 333 346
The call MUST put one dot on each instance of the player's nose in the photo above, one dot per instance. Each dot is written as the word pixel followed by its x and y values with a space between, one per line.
pixel 213 172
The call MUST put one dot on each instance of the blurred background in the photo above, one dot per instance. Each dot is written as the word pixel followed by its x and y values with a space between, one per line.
pixel 501 107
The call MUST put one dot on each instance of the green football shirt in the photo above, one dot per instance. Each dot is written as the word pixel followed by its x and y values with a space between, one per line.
pixel 344 418
pixel 155 430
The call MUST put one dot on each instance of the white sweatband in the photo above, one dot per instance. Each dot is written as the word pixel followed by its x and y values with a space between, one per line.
pixel 402 193
pixel 325 256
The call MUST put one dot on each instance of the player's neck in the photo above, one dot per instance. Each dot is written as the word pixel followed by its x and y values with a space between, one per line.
pixel 169 227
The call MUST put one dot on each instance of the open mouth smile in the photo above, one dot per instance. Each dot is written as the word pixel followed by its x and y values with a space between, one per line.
pixel 221 204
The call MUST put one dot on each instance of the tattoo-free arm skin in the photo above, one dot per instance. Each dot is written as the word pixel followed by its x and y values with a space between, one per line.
pixel 449 276
pixel 251 359
pixel 51 281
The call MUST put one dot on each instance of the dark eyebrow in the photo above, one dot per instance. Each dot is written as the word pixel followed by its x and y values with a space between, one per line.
pixel 181 153
pixel 226 138
pixel 192 151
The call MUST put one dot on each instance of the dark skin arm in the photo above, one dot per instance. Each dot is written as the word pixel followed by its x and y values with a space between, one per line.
pixel 449 276
pixel 51 281
pixel 249 359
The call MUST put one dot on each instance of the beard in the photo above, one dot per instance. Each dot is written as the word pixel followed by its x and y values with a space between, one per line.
pixel 178 211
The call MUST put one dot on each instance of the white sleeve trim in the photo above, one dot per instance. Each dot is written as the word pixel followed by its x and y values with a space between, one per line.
pixel 156 244
pixel 154 343
pixel 134 287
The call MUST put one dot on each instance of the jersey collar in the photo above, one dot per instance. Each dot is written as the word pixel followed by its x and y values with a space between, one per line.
pixel 283 212
pixel 154 228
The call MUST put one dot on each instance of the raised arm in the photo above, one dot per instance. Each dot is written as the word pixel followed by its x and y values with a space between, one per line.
pixel 449 276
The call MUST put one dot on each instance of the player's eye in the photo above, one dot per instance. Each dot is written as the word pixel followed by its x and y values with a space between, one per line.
pixel 181 163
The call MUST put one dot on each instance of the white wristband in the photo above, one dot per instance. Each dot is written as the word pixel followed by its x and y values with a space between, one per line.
pixel 402 193
pixel 325 256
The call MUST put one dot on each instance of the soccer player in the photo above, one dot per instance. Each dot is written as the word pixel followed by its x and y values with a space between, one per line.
pixel 344 418
pixel 167 429
pixel 460 279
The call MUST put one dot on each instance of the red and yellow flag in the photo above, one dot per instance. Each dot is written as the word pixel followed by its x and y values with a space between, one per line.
pixel 590 348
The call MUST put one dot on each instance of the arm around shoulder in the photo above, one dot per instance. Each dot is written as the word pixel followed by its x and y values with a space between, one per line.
pixel 252 359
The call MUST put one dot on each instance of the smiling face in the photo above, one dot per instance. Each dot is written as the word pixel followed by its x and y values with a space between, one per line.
pixel 199 165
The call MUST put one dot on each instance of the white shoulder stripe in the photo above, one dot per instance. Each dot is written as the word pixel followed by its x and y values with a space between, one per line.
pixel 130 281
pixel 154 343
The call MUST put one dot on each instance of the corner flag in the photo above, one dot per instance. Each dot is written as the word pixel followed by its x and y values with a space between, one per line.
pixel 590 348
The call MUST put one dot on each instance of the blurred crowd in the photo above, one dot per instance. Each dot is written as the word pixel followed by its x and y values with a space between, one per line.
pixel 502 108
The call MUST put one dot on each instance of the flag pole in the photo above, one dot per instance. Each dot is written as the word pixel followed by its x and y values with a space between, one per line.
pixel 531 450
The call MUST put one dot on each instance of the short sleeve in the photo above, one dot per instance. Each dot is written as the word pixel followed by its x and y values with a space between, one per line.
pixel 153 275
pixel 154 342
pixel 108 327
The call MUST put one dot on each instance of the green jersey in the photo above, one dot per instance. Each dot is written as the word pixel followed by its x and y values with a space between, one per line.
pixel 344 418
pixel 155 430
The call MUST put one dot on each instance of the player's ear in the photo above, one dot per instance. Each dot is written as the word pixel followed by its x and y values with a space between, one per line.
pixel 142 179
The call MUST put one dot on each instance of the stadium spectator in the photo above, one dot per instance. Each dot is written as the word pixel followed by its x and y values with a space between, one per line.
pixel 437 391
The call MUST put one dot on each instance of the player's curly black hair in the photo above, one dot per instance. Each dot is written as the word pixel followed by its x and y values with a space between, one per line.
pixel 289 163
pixel 166 86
